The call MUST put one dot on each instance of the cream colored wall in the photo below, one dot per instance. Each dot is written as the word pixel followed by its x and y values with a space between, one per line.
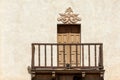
pixel 25 21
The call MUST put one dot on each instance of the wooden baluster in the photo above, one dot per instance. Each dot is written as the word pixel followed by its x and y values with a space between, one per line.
pixel 76 56
pixel 33 55
pixel 64 55
pixel 45 55
pixel 83 55
pixel 89 55
pixel 101 56
pixel 95 54
pixel 52 55
pixel 39 55
pixel 80 55
pixel 70 55
pixel 58 55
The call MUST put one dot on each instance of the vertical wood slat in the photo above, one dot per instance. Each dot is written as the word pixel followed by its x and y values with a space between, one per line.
pixel 57 55
pixel 52 55
pixel 76 55
pixel 89 55
pixel 38 55
pixel 45 55
pixel 101 56
pixel 64 55
pixel 95 54
pixel 80 55
pixel 70 55
pixel 33 55
pixel 83 55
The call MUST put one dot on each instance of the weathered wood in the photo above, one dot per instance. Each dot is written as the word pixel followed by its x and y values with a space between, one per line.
pixel 76 55
pixel 51 55
pixel 89 55
pixel 101 56
pixel 95 55
pixel 43 51
pixel 58 55
pixel 67 43
pixel 39 55
pixel 64 55
pixel 45 56
pixel 70 54
pixel 33 55
pixel 82 55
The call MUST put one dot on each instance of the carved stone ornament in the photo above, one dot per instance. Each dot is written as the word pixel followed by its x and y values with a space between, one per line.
pixel 69 17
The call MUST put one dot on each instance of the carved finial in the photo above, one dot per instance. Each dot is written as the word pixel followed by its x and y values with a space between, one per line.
pixel 69 17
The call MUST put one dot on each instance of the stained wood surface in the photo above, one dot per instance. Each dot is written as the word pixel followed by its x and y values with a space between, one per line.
pixel 69 54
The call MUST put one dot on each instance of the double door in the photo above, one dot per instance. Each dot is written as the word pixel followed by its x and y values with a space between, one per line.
pixel 69 54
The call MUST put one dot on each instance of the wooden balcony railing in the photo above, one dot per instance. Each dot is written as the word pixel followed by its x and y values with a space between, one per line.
pixel 46 55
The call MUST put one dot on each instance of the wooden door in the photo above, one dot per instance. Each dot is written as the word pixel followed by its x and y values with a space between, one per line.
pixel 69 34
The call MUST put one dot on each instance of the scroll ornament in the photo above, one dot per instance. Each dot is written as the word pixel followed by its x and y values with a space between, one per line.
pixel 69 17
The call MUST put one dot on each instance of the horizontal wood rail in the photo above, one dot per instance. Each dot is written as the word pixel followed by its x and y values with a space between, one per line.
pixel 86 55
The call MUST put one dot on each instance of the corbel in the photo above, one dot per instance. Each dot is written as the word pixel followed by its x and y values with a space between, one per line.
pixel 29 69
pixel 102 75
pixel 83 75
pixel 32 74
pixel 53 75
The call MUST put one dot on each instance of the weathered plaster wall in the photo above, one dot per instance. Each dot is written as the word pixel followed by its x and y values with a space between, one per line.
pixel 25 21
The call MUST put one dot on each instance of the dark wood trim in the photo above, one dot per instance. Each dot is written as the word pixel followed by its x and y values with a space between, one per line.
pixel 101 55
pixel 67 43
pixel 58 55
pixel 45 56
pixel 51 55
pixel 70 55
pixel 76 55
pixel 67 71
pixel 68 25
pixel 82 55
pixel 62 67
pixel 95 55
pixel 64 55
pixel 39 55
pixel 33 54
pixel 89 55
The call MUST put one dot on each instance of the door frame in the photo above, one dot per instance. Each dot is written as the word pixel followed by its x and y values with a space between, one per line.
pixel 67 25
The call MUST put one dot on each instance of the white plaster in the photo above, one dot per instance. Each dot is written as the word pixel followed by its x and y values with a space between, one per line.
pixel 25 21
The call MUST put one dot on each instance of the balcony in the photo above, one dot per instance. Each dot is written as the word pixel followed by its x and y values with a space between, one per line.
pixel 83 56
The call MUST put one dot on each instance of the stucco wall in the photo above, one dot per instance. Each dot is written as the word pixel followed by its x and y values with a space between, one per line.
pixel 25 21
